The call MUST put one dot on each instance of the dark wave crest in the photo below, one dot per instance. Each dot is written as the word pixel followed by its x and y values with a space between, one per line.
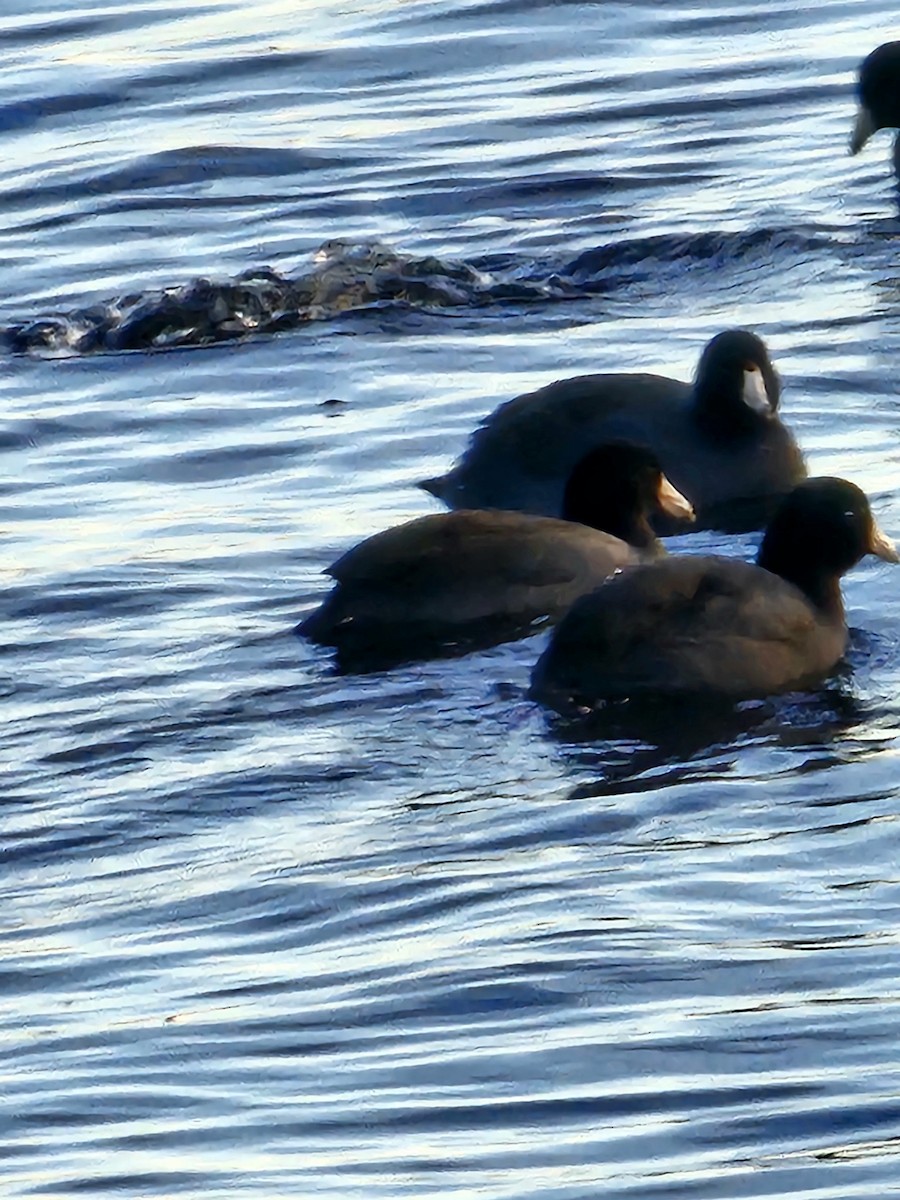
pixel 351 276
pixel 710 246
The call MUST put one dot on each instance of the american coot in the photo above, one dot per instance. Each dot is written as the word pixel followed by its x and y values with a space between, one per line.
pixel 455 580
pixel 878 92
pixel 720 441
pixel 709 626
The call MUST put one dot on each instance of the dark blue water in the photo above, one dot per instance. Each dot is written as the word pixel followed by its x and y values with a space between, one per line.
pixel 268 931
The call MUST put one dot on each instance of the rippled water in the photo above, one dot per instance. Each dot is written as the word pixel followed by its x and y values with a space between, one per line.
pixel 268 931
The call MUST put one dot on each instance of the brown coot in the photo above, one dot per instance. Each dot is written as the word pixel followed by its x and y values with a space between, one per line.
pixel 711 626
pixel 719 440
pixel 449 581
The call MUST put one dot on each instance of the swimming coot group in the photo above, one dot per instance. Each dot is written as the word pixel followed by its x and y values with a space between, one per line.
pixel 558 504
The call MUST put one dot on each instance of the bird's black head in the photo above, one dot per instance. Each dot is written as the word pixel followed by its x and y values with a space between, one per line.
pixel 878 92
pixel 736 388
pixel 617 487
pixel 821 530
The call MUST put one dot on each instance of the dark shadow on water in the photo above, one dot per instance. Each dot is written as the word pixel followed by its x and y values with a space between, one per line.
pixel 666 731
pixel 391 648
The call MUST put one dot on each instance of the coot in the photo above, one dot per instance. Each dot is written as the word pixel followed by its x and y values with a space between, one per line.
pixel 878 92
pixel 719 440
pixel 710 626
pixel 450 581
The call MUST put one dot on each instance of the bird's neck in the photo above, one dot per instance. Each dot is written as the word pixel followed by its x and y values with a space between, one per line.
pixel 821 588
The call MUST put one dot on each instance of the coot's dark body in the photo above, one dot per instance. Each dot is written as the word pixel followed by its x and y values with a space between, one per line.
pixel 710 626
pixel 450 581
pixel 733 461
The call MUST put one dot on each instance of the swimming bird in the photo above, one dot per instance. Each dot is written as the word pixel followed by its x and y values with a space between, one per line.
pixel 878 92
pixel 451 581
pixel 719 627
pixel 719 439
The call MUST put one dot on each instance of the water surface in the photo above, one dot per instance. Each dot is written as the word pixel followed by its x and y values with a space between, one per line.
pixel 270 931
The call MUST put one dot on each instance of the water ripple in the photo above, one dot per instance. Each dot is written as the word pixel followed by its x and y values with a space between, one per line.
pixel 268 930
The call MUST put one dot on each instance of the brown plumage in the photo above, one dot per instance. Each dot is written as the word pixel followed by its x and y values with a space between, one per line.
pixel 719 439
pixel 454 580
pixel 708 626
